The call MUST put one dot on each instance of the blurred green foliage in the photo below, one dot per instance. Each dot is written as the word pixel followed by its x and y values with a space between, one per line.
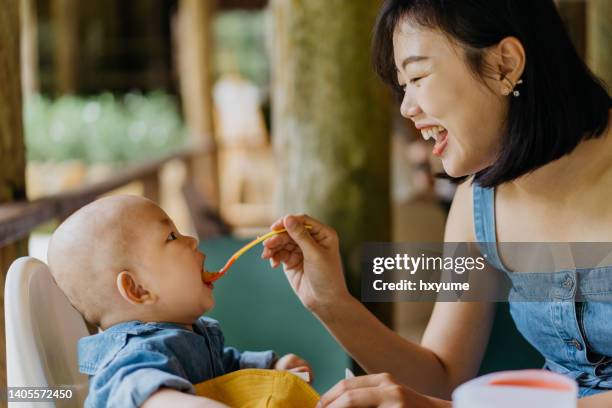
pixel 240 45
pixel 103 128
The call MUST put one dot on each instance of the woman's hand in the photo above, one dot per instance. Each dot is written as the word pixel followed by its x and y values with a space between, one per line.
pixel 310 258
pixel 377 390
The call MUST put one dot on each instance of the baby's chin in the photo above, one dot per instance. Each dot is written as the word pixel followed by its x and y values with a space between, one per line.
pixel 208 304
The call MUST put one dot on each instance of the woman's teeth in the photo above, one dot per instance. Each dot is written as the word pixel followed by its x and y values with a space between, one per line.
pixel 432 132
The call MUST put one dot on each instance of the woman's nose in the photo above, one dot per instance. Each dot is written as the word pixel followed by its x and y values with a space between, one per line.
pixel 409 109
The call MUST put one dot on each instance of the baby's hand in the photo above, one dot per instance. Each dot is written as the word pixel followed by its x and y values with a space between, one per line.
pixel 291 362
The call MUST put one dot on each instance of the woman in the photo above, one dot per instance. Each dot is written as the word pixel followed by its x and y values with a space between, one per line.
pixel 510 104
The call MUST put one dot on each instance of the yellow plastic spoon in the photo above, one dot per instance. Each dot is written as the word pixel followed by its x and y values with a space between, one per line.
pixel 210 277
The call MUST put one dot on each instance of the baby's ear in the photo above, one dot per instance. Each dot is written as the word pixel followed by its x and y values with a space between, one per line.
pixel 132 291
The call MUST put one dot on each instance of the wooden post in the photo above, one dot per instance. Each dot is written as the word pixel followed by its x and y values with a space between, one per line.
pixel 193 42
pixel 65 43
pixel 12 151
pixel 331 123
pixel 598 35
pixel 29 47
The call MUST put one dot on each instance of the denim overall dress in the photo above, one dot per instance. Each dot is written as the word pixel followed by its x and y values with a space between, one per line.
pixel 575 338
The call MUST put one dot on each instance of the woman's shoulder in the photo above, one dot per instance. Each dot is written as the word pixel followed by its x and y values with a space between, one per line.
pixel 460 221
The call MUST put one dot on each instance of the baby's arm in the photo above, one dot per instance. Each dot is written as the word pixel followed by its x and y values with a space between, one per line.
pixel 167 397
pixel 233 359
pixel 137 373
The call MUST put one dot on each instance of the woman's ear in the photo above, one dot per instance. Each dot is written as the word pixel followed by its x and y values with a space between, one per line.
pixel 132 291
pixel 511 63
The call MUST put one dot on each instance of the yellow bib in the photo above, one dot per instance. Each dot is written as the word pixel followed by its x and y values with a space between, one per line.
pixel 257 388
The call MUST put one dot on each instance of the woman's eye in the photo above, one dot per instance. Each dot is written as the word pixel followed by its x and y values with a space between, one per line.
pixel 415 80
pixel 172 236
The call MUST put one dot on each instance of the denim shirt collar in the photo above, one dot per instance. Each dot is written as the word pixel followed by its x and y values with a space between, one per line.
pixel 137 327
pixel 96 351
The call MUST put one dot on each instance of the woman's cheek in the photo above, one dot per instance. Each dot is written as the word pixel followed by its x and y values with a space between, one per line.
pixel 432 99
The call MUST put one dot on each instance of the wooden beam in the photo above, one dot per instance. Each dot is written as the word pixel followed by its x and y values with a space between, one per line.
pixel 19 218
pixel 193 47
pixel 12 150
pixel 65 23
pixel 29 47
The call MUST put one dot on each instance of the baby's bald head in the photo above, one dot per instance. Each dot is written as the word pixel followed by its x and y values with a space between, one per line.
pixel 91 247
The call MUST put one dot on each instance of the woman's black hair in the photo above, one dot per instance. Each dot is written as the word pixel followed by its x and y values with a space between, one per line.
pixel 561 102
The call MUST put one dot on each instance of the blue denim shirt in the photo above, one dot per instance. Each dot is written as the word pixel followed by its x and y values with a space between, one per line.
pixel 128 362
pixel 564 314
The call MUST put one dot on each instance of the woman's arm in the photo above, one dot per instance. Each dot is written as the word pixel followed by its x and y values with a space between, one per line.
pixel 450 353
pixel 455 338
pixel 602 400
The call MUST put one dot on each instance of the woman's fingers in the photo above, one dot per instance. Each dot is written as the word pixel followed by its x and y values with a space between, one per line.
pixel 298 232
pixel 295 259
pixel 277 240
pixel 268 252
pixel 280 257
pixel 318 230
pixel 364 381
pixel 361 397
pixel 307 219
pixel 278 224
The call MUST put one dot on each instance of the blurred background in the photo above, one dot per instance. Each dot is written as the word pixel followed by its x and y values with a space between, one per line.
pixel 230 113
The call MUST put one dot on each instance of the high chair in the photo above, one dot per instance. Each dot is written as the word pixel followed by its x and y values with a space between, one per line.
pixel 42 330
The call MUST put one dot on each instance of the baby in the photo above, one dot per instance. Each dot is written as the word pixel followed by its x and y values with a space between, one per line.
pixel 125 267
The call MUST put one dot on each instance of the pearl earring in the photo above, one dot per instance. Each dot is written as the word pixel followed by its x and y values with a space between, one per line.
pixel 516 92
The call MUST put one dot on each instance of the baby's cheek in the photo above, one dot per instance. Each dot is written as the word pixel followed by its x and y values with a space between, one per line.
pixel 207 302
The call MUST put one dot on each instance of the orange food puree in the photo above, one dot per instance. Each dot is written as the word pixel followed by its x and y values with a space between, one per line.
pixel 531 383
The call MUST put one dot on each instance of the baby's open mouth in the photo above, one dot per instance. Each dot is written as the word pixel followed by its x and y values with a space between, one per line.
pixel 203 274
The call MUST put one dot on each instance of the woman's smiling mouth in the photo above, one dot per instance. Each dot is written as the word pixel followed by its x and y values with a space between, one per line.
pixel 439 134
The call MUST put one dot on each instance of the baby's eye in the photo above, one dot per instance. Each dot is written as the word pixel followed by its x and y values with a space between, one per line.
pixel 172 236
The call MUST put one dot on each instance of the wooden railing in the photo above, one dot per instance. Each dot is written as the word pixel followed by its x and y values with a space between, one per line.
pixel 19 219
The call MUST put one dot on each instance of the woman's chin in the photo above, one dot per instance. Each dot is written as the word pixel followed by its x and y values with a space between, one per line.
pixel 454 168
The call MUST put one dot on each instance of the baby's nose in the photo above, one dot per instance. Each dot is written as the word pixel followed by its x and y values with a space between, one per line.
pixel 193 242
